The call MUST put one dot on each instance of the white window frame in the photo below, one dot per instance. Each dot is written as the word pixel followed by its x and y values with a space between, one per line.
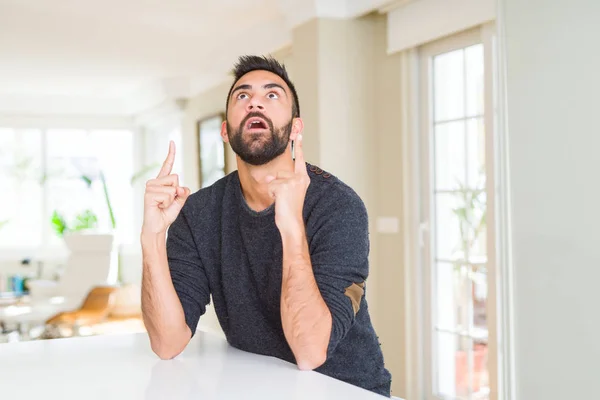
pixel 416 217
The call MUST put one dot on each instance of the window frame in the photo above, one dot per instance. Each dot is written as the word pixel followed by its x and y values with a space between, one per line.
pixel 485 35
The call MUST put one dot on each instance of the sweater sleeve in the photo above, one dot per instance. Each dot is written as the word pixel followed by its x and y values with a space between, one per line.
pixel 187 272
pixel 339 251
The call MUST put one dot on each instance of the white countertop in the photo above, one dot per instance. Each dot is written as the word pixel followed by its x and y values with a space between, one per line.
pixel 124 367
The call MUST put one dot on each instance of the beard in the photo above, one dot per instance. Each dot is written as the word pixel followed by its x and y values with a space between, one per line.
pixel 256 149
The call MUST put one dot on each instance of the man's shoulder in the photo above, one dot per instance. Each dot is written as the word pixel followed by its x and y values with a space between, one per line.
pixel 328 192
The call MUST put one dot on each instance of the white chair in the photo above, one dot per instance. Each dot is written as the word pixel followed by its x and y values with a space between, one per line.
pixel 90 263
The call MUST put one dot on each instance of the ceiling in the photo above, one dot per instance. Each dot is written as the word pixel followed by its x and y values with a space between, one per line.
pixel 118 56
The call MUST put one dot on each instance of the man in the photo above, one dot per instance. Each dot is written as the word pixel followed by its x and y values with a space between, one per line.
pixel 280 245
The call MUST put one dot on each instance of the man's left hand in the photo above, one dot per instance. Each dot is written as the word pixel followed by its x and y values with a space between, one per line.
pixel 289 190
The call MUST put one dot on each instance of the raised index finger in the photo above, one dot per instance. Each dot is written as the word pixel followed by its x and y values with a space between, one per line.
pixel 168 164
pixel 299 165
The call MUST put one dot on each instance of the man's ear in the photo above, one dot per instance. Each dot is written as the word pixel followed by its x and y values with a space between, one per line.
pixel 224 132
pixel 297 128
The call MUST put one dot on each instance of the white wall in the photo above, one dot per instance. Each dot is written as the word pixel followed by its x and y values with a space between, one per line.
pixel 553 98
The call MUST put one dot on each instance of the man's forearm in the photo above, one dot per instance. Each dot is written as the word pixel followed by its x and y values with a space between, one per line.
pixel 306 319
pixel 161 309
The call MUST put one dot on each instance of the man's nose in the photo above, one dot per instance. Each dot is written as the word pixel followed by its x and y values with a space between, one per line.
pixel 254 104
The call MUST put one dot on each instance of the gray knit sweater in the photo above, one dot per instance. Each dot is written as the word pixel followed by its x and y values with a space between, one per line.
pixel 220 247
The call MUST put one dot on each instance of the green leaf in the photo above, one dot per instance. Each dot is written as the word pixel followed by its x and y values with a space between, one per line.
pixel 87 180
pixel 58 224
pixel 85 220
pixel 461 213
pixel 107 198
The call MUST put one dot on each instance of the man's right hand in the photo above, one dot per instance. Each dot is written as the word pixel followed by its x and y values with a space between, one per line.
pixel 164 198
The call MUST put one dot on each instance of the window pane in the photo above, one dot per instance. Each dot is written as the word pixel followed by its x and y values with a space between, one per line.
pixel 480 376
pixel 478 282
pixel 450 226
pixel 450 163
pixel 68 159
pixel 476 153
pixel 20 179
pixel 156 148
pixel 449 86
pixel 453 365
pixel 212 151
pixel 460 225
pixel 176 137
pixel 459 287
pixel 451 299
pixel 114 151
pixel 477 228
pixel 78 162
pixel 474 73
pixel 67 143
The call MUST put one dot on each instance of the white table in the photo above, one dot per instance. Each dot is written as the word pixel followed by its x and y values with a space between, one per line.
pixel 27 312
pixel 124 367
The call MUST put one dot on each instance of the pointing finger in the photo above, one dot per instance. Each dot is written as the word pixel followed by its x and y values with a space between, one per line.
pixel 169 180
pixel 300 165
pixel 170 160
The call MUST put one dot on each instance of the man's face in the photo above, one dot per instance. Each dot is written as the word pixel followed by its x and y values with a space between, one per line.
pixel 259 117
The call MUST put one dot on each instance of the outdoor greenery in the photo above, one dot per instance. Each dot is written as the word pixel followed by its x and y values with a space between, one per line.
pixel 83 221
pixel 471 216
pixel 24 168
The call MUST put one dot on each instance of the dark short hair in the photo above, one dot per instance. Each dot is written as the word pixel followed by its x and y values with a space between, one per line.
pixel 246 64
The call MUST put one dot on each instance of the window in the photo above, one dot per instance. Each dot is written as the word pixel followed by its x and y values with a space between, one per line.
pixel 21 183
pixel 155 150
pixel 455 136
pixel 79 176
pixel 211 150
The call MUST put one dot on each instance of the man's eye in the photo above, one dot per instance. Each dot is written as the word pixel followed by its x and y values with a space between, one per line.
pixel 273 95
pixel 242 96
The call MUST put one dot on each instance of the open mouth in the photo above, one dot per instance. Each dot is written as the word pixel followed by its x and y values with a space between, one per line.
pixel 256 124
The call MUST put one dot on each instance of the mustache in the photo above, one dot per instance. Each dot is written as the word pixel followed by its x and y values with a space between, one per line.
pixel 256 114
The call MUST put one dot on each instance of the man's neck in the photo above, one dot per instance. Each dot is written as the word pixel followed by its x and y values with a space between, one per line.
pixel 253 180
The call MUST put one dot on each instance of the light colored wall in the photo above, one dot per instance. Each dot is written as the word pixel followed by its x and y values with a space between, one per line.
pixel 356 89
pixel 202 106
pixel 337 84
pixel 553 87
pixel 305 46
pixel 387 177
pixel 358 94
pixel 420 22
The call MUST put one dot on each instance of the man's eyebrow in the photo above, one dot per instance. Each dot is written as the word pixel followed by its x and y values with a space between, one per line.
pixel 241 87
pixel 275 85
pixel 267 86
